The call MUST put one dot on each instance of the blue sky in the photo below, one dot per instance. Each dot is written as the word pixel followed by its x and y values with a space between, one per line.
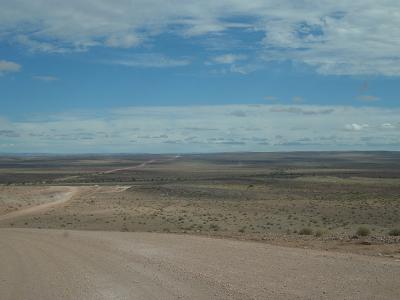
pixel 326 72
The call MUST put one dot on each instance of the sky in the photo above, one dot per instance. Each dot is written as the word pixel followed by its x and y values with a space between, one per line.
pixel 157 76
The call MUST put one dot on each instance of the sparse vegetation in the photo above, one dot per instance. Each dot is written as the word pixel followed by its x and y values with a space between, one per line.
pixel 363 231
pixel 306 231
pixel 394 232
pixel 314 197
pixel 319 233
pixel 214 227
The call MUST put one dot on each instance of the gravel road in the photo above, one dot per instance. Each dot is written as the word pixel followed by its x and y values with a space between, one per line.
pixel 56 264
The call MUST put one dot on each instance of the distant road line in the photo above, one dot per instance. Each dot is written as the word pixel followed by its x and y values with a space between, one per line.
pixel 130 168
pixel 142 165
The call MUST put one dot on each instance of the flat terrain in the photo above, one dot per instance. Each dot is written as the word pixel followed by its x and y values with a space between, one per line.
pixel 269 197
pixel 54 264
pixel 216 226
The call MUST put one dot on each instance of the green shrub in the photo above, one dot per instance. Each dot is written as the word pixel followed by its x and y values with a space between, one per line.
pixel 363 231
pixel 395 232
pixel 214 227
pixel 306 231
pixel 319 233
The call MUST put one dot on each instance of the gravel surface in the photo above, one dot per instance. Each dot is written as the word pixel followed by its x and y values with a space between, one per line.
pixel 56 264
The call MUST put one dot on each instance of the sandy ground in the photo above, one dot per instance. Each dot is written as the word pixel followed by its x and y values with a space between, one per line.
pixel 58 197
pixel 55 264
pixel 14 198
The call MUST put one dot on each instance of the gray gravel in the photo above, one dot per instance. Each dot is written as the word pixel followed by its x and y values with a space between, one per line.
pixel 55 264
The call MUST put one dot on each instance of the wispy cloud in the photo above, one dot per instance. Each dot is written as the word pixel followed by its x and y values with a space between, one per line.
pixel 303 111
pixel 232 63
pixel 150 60
pixel 35 45
pixel 127 40
pixel 45 78
pixel 388 126
pixel 333 37
pixel 228 58
pixel 9 67
pixel 356 127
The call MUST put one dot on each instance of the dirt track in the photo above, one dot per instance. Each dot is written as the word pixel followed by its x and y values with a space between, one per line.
pixel 142 165
pixel 35 209
pixel 53 264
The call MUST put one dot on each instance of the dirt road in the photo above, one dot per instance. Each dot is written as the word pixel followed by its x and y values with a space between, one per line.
pixel 52 264
pixel 142 165
pixel 61 198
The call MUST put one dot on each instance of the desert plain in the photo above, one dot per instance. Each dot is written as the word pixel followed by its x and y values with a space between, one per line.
pixel 297 225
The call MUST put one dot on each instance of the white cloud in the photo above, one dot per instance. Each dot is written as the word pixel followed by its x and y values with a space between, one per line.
pixel 150 60
pixel 356 127
pixel 338 37
pixel 388 126
pixel 9 67
pixel 244 68
pixel 228 58
pixel 41 46
pixel 123 41
pixel 303 111
pixel 205 129
pixel 332 36
pixel 236 63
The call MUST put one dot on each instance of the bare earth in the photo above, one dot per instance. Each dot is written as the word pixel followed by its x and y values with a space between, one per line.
pixel 58 197
pixel 183 227
pixel 56 264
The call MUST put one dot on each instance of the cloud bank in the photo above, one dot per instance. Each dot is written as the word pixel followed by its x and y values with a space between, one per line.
pixel 206 129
